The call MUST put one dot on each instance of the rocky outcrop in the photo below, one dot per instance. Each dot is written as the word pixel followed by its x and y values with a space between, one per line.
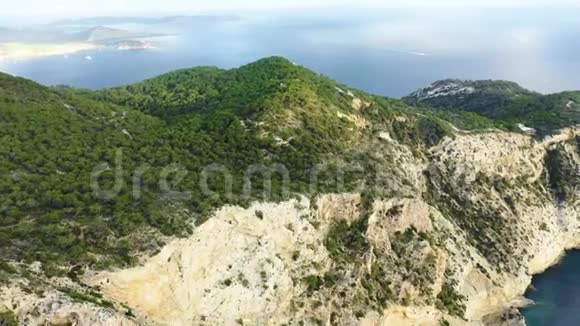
pixel 502 210
pixel 462 250
pixel 56 308
pixel 241 265
pixel 469 246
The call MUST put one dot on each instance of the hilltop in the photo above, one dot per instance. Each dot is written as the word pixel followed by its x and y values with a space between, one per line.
pixel 270 193
pixel 502 100
pixel 268 111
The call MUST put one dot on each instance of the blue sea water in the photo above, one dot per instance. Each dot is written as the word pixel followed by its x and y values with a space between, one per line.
pixel 389 51
pixel 557 295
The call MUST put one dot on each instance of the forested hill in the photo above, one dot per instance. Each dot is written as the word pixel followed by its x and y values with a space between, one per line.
pixel 266 85
pixel 502 100
pixel 54 140
pixel 49 144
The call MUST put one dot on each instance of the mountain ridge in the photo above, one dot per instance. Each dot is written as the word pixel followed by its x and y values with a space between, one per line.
pixel 387 210
pixel 471 86
pixel 502 100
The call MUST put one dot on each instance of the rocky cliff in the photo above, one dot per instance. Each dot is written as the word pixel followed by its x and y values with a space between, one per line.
pixel 379 213
pixel 463 250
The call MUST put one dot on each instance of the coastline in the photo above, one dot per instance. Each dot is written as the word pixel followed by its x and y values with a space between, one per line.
pixel 518 300
pixel 526 302
pixel 491 299
pixel 261 273
pixel 25 51
pixel 551 292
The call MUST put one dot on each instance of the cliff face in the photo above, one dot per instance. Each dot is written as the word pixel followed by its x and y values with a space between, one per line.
pixel 53 308
pixel 493 190
pixel 397 217
pixel 464 250
pixel 503 100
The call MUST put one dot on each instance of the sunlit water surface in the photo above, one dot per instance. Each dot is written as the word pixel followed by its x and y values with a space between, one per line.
pixel 388 52
pixel 557 295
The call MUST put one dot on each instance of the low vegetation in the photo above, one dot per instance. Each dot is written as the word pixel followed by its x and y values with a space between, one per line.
pixel 451 301
pixel 8 318
pixel 507 103
pixel 155 143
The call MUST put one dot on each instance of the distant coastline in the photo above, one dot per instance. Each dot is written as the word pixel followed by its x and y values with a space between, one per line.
pixel 26 51
pixel 35 43
pixel 23 51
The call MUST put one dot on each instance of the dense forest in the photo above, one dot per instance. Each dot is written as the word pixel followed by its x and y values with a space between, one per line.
pixel 506 101
pixel 56 143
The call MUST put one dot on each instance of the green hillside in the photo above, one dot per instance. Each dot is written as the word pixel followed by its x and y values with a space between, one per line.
pixel 502 100
pixel 271 111
pixel 268 114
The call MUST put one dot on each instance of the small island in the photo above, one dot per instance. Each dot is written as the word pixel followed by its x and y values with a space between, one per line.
pixel 132 45
pixel 30 44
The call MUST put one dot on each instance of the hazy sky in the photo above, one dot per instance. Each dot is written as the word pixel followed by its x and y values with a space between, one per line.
pixel 65 8
pixel 534 42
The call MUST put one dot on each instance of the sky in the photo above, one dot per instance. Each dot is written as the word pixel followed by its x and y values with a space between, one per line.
pixel 501 39
pixel 78 8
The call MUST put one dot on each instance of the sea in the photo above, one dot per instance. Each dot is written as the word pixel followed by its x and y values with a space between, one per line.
pixel 389 52
pixel 556 294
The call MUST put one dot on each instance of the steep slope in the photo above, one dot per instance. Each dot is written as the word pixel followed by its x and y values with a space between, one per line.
pixel 504 101
pixel 268 84
pixel 283 197
pixel 462 250
pixel 55 140
pixel 51 144
pixel 105 35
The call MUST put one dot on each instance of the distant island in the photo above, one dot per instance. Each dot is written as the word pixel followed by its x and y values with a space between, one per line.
pixel 13 51
pixel 35 42
pixel 433 210
pixel 132 45
pixel 105 20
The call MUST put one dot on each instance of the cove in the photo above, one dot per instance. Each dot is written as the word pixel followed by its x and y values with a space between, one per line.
pixel 556 294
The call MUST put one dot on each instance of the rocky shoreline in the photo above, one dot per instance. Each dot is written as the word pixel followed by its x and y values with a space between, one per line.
pixel 489 299
pixel 470 244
